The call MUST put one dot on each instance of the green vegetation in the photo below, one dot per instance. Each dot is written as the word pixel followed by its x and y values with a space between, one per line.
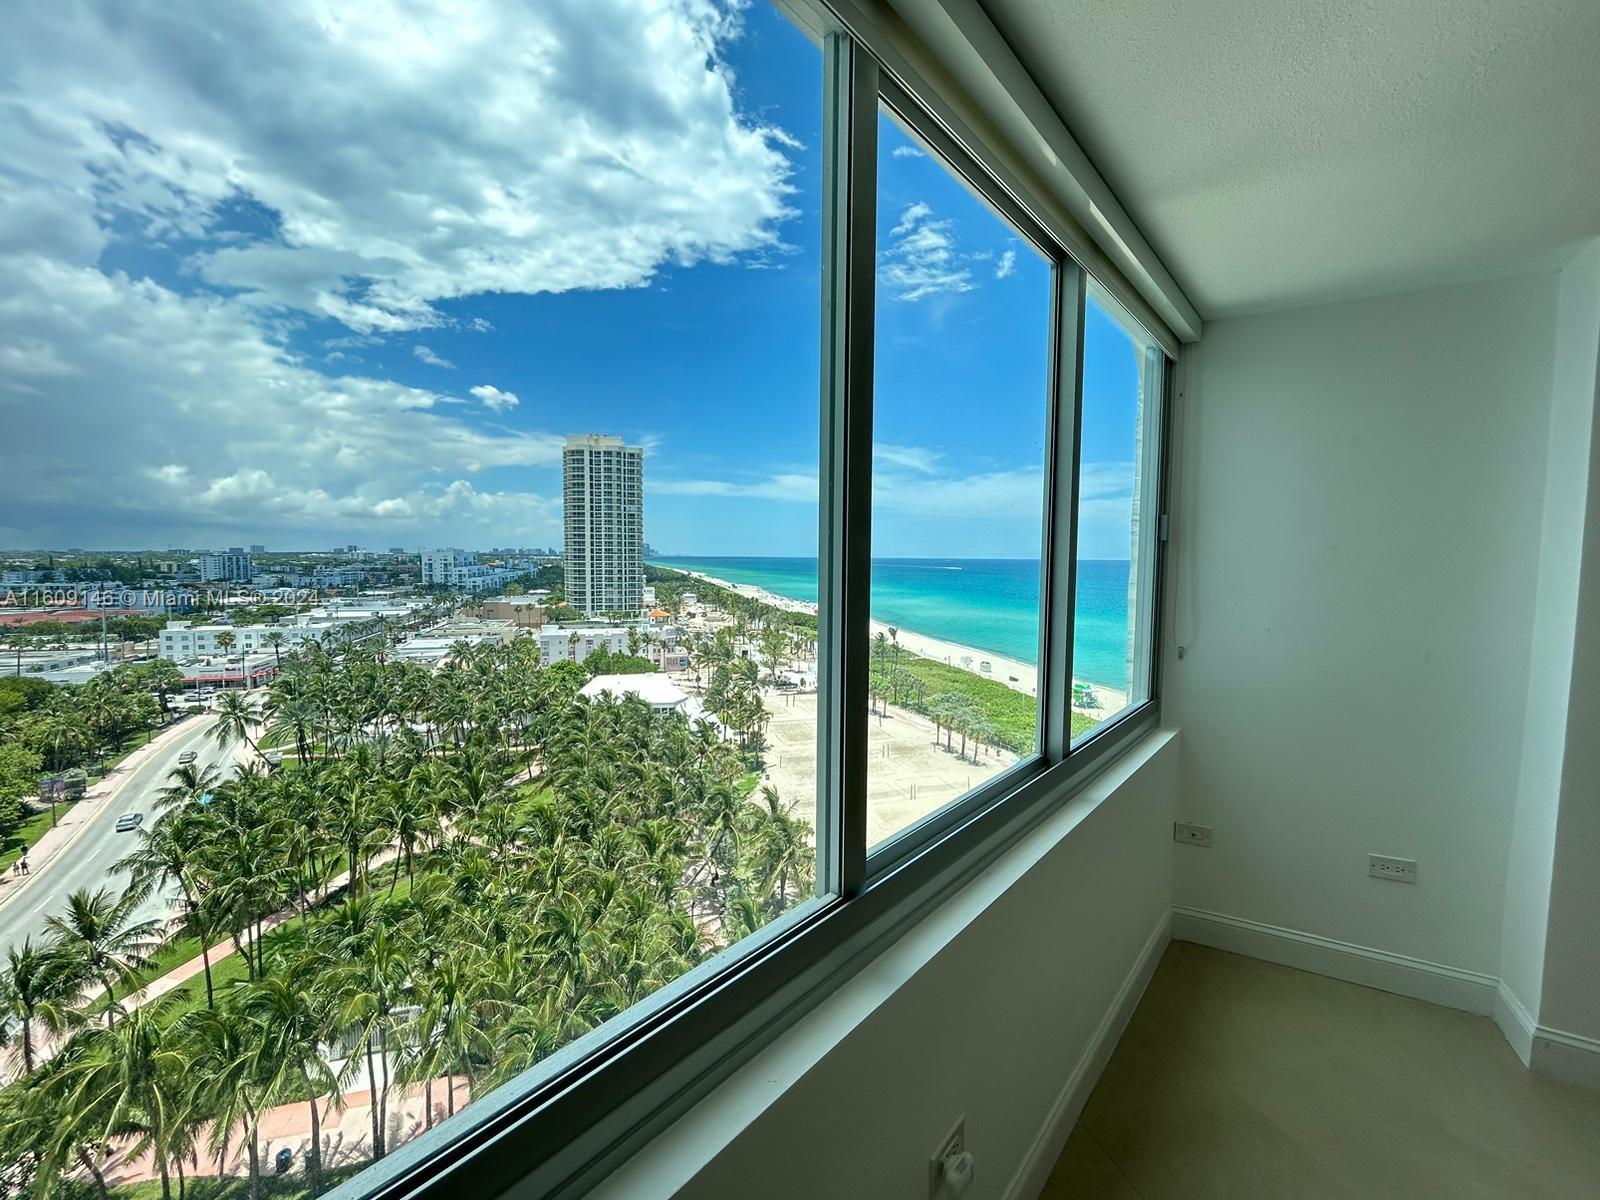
pixel 21 837
pixel 471 867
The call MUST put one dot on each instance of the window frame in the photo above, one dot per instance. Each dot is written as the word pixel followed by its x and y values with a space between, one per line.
pixel 567 1122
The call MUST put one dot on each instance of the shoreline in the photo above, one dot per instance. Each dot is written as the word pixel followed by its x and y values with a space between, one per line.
pixel 1011 672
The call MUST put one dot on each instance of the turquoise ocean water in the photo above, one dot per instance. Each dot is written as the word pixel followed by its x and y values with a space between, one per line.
pixel 988 603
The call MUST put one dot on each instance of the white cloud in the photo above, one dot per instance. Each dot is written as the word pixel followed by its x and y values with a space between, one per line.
pixel 432 359
pixel 1002 495
pixel 494 399
pixel 1007 264
pixel 797 487
pixel 906 152
pixel 245 436
pixel 918 458
pixel 921 259
pixel 1106 481
pixel 365 162
pixel 290 160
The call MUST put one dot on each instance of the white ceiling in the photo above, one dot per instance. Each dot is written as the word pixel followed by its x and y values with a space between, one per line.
pixel 1288 152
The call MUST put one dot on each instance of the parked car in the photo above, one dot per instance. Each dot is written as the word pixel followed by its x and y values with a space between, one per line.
pixel 187 757
pixel 128 822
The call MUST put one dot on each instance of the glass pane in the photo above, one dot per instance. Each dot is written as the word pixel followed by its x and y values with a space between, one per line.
pixel 962 358
pixel 1116 517
pixel 436 323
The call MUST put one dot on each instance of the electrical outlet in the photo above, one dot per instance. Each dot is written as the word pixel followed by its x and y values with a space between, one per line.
pixel 1401 870
pixel 954 1143
pixel 1190 834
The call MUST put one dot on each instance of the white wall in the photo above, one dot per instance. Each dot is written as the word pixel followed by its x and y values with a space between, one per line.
pixel 1359 529
pixel 986 1008
pixel 1545 726
pixel 1570 999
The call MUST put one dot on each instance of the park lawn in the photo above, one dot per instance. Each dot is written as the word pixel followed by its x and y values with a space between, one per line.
pixel 23 837
pixel 1082 723
pixel 1014 714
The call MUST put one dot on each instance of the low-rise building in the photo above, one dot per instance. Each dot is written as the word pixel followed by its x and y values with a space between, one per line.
pixel 656 690
pixel 461 571
pixel 574 643
pixel 183 641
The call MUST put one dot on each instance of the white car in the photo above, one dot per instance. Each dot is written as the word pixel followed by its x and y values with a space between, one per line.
pixel 128 822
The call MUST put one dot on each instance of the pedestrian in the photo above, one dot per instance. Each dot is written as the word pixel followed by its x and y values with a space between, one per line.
pixel 24 864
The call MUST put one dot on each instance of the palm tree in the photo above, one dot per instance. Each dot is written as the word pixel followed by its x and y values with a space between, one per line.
pixel 167 853
pixel 289 1012
pixel 129 1079
pixel 37 987
pixel 230 1081
pixel 99 937
pixel 368 987
pixel 236 717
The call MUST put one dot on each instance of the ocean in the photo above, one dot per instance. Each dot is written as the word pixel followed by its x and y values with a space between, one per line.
pixel 988 603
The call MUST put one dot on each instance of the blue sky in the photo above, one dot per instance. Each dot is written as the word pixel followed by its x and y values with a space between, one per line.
pixel 369 313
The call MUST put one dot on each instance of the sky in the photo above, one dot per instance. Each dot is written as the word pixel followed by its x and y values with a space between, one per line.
pixel 307 274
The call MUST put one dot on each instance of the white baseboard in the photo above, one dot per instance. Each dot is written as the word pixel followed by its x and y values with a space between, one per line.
pixel 1051 1139
pixel 1514 1020
pixel 1567 1056
pixel 1389 972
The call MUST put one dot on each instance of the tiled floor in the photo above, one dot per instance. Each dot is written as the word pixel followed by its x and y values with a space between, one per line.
pixel 1240 1079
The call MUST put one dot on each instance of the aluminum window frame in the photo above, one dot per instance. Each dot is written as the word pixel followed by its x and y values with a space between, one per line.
pixel 565 1124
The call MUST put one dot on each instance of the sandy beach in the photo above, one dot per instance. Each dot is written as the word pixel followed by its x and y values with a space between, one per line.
pixel 1024 677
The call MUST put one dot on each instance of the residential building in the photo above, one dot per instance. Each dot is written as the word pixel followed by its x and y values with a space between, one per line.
pixel 461 571
pixel 257 548
pixel 232 566
pixel 603 517
pixel 574 643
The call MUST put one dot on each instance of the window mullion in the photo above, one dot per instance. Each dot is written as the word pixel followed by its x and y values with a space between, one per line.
pixel 1060 550
pixel 845 537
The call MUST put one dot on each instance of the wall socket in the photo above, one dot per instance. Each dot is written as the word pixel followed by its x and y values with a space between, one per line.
pixel 1401 870
pixel 1190 834
pixel 954 1143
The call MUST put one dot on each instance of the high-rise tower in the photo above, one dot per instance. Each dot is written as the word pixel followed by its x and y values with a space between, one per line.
pixel 603 512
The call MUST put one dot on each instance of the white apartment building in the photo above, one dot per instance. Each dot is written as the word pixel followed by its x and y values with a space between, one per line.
pixel 183 640
pixel 574 643
pixel 603 514
pixel 461 571
pixel 233 565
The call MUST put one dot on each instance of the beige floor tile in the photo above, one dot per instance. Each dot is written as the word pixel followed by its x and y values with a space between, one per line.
pixel 1213 1144
pixel 1550 1128
pixel 1388 1137
pixel 1086 1172
pixel 1242 1078
pixel 1152 1063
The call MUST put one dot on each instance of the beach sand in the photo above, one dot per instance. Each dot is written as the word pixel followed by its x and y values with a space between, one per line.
pixel 1024 677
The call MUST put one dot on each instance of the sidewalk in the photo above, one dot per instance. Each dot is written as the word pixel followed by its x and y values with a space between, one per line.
pixel 81 814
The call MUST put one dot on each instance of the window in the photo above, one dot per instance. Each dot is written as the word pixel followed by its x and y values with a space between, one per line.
pixel 1117 518
pixel 960 416
pixel 708 279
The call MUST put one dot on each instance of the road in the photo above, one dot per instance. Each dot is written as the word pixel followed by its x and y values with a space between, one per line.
pixel 89 861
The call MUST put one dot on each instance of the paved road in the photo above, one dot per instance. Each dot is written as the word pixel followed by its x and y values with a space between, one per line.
pixel 88 862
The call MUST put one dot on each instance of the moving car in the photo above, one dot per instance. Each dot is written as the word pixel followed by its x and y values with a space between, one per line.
pixel 129 821
pixel 187 757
